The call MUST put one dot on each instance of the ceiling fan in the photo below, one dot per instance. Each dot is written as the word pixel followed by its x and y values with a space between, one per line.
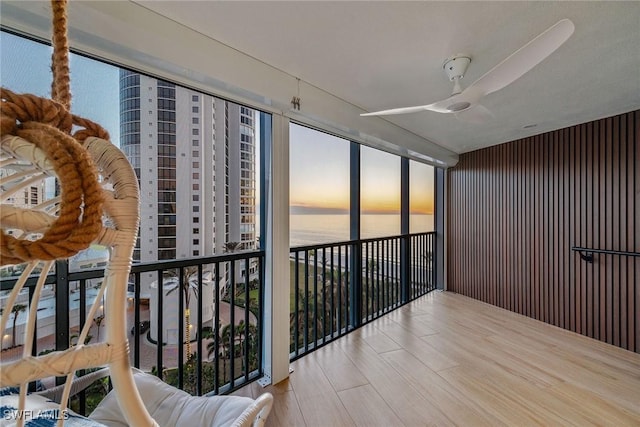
pixel 465 103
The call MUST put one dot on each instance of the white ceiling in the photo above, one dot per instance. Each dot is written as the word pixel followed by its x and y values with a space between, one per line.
pixel 380 55
pixel 358 56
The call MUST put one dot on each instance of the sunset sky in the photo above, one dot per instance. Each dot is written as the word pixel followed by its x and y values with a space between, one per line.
pixel 320 176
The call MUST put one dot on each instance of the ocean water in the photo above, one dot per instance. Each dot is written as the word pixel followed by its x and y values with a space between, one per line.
pixel 312 229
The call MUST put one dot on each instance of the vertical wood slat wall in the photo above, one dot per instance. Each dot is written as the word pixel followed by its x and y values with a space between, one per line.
pixel 516 209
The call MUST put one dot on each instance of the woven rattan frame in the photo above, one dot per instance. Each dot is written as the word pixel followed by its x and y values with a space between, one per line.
pixel 118 234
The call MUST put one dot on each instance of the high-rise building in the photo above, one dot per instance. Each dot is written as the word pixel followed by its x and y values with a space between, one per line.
pixel 194 156
pixel 25 198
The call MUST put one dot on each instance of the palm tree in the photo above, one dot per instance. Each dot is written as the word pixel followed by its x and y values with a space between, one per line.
pixel 231 246
pixel 226 335
pixel 16 310
pixel 252 346
pixel 334 292
pixel 211 347
pixel 189 284
pixel 241 334
pixel 253 306
pixel 304 315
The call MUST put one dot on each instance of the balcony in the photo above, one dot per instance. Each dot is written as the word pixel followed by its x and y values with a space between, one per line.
pixel 335 289
pixel 439 358
pixel 544 226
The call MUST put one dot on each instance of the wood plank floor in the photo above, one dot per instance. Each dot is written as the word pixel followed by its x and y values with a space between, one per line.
pixel 447 359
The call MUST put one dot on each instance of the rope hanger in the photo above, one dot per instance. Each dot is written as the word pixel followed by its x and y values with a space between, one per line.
pixel 47 125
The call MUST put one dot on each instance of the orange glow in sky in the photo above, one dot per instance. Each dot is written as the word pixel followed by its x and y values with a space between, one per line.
pixel 320 176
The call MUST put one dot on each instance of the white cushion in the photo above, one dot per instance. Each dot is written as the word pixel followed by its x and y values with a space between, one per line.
pixel 170 406
pixel 40 412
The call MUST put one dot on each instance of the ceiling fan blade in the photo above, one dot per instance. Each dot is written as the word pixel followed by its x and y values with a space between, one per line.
pixel 404 110
pixel 525 58
pixel 476 114
pixel 510 69
pixel 453 104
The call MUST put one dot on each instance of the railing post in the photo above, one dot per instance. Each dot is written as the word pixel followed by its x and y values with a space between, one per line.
pixel 62 305
pixel 160 333
pixel 181 325
pixel 355 279
pixel 405 268
pixel 34 343
pixel 136 321
pixel 438 260
pixel 355 263
pixel 62 308
pixel 405 245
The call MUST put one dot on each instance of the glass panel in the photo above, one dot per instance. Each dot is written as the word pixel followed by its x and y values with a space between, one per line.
pixel 319 185
pixel 157 122
pixel 421 197
pixel 379 193
pixel 26 68
pixel 197 161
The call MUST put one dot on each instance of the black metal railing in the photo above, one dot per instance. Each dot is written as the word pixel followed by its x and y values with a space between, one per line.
pixel 225 291
pixel 228 343
pixel 320 303
pixel 337 287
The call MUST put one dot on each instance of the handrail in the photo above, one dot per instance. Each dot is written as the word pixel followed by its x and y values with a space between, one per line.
pixel 7 283
pixel 356 241
pixel 588 253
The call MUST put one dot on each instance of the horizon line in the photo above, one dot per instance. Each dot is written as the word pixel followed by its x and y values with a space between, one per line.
pixel 316 210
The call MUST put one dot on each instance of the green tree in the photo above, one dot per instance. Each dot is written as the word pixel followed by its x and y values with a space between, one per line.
pixel 190 376
pixel 224 336
pixel 334 292
pixel 16 310
pixel 241 334
pixel 187 284
pixel 254 306
pixel 211 346
pixel 252 344
pixel 232 246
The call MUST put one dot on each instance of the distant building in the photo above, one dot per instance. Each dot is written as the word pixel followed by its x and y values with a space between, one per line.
pixel 27 197
pixel 24 198
pixel 194 156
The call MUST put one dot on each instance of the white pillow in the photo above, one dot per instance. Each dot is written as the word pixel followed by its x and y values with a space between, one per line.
pixel 171 407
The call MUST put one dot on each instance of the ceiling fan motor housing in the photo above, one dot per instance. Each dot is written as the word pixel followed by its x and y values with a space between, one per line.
pixel 458 106
pixel 455 66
